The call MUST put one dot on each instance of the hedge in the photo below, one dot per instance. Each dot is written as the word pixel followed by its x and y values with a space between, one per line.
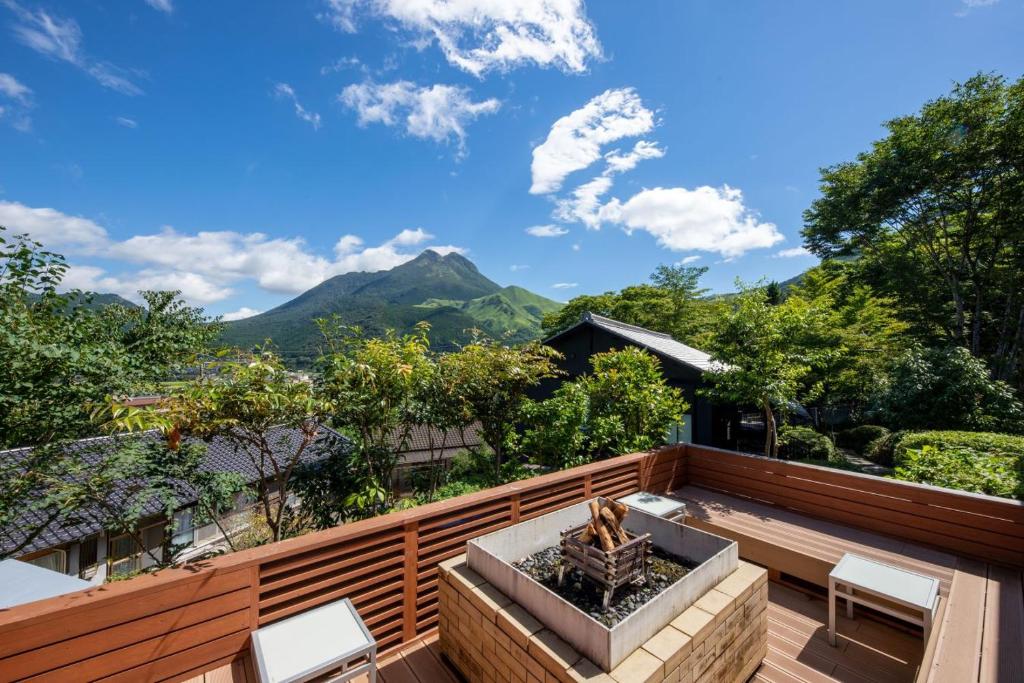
pixel 859 438
pixel 799 443
pixel 982 462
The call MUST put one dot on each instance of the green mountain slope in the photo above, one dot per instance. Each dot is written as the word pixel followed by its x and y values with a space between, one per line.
pixel 446 291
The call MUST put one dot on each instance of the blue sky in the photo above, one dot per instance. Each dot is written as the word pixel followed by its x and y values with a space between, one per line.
pixel 242 152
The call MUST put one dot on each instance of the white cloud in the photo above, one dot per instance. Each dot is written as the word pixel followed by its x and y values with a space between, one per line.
pixel 688 259
pixel 285 91
pixel 437 112
pixel 343 64
pixel 577 247
pixel 643 149
pixel 792 253
pixel 516 267
pixel 61 39
pixel 10 87
pixel 126 122
pixel 546 231
pixel 165 6
pixel 483 35
pixel 565 285
pixel 446 249
pixel 19 101
pixel 241 313
pixel 585 202
pixel 968 5
pixel 53 228
pixel 205 265
pixel 705 219
pixel 575 140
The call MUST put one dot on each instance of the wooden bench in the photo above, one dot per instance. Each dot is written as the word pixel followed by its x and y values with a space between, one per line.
pixel 980 625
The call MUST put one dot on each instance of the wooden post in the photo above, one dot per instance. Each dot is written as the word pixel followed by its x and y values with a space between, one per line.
pixel 588 486
pixel 515 508
pixel 412 538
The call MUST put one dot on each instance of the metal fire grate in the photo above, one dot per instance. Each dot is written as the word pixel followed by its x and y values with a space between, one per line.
pixel 617 567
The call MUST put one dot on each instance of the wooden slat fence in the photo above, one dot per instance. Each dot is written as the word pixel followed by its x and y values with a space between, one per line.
pixel 181 622
pixel 974 525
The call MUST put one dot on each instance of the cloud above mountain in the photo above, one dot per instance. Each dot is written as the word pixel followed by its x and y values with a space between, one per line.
pixel 204 265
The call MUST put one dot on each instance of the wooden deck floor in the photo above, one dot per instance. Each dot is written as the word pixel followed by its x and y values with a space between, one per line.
pixel 798 652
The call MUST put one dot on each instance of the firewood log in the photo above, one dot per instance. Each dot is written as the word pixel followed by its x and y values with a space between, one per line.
pixel 588 534
pixel 595 512
pixel 606 538
pixel 620 510
pixel 613 523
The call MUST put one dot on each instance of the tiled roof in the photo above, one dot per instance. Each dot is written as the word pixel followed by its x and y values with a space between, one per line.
pixel 221 456
pixel 422 436
pixel 658 342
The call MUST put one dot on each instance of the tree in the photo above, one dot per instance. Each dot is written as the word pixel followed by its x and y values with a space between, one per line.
pixel 853 335
pixel 932 211
pixel 674 303
pixel 246 401
pixel 947 388
pixel 631 404
pixel 492 382
pixel 762 356
pixel 375 388
pixel 61 356
pixel 556 428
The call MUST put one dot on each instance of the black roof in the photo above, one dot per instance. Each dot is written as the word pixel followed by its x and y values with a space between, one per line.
pixel 221 456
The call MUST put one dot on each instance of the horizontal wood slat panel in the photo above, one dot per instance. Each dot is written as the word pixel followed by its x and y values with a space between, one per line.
pixel 968 524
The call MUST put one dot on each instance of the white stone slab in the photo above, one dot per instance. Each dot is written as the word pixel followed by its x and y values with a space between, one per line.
pixel 652 504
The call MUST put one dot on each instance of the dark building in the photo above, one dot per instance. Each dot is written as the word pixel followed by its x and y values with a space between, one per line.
pixel 683 366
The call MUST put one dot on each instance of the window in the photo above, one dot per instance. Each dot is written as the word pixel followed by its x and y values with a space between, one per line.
pixel 184 527
pixel 126 556
pixel 87 557
pixel 54 560
pixel 681 432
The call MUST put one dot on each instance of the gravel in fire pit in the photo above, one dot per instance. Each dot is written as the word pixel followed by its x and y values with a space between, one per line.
pixel 665 570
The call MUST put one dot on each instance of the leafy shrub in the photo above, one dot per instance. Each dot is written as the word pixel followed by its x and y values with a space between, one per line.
pixel 883 449
pixel 961 468
pixel 859 438
pixel 981 443
pixel 933 388
pixel 556 436
pixel 803 443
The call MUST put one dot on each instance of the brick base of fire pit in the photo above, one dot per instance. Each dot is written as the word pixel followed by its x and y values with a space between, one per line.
pixel 722 638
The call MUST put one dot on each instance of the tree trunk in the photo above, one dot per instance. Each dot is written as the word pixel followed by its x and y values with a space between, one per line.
pixel 771 439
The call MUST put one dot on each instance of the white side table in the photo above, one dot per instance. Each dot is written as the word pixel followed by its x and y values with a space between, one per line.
pixel 659 506
pixel 865 582
pixel 313 643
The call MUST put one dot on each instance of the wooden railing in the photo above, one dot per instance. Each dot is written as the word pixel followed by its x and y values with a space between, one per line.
pixel 181 622
pixel 970 524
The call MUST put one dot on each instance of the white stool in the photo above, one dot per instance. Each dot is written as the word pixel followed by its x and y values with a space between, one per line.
pixel 865 581
pixel 313 643
pixel 659 506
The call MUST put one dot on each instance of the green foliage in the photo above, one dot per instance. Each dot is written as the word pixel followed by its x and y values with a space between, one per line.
pixel 555 433
pixel 987 443
pixel 329 488
pixel 492 382
pixel 803 443
pixel 852 336
pixel 373 386
pixel 931 214
pixel 674 303
pixel 859 438
pixel 935 388
pixel 764 355
pixel 631 405
pixel 882 450
pixel 962 468
pixel 512 314
pixel 244 401
pixel 61 354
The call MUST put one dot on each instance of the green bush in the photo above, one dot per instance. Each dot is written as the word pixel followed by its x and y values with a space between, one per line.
pixel 859 438
pixel 981 462
pixel 882 450
pixel 803 443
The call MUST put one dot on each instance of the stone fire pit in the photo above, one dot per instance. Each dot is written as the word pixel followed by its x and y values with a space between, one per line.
pixel 487 605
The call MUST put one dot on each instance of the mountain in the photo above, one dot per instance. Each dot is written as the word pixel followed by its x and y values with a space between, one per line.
pixel 446 291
